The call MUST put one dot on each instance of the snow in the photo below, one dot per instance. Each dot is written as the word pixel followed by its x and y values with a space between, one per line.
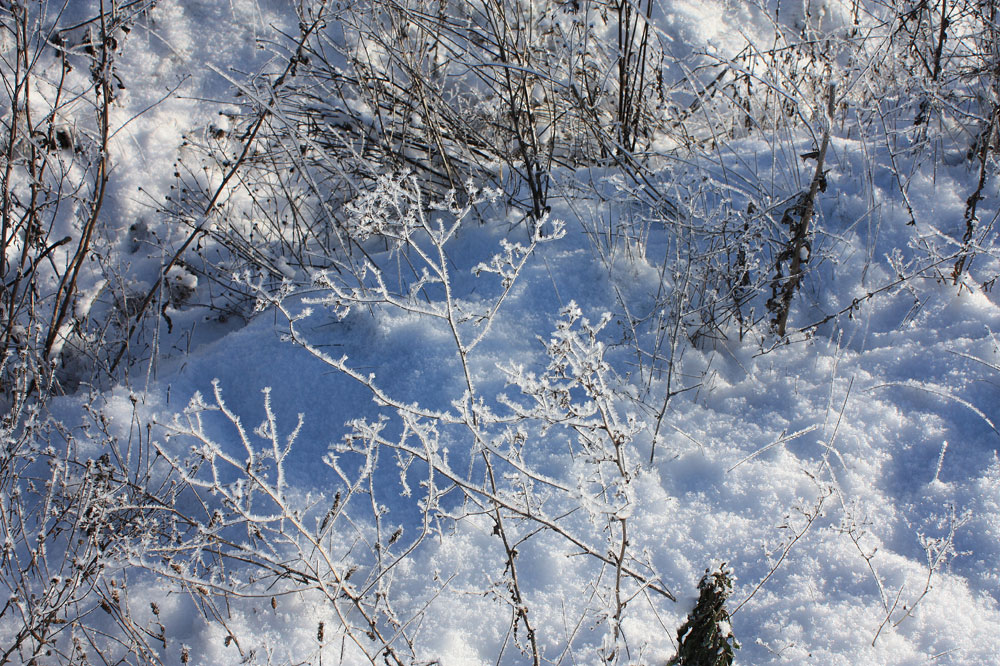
pixel 848 476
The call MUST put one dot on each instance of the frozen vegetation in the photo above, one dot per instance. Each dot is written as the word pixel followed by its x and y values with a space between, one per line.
pixel 499 332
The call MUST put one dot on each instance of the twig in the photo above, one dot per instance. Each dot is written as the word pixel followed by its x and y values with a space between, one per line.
pixel 781 440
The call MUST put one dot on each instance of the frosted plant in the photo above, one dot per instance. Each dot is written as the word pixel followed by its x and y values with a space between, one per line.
pixel 706 637
pixel 237 508
pixel 73 502
pixel 575 396
pixel 496 470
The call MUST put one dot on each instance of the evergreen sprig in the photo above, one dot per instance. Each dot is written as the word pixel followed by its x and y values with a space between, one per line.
pixel 706 637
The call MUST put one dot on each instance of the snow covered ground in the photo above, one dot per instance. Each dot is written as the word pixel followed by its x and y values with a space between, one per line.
pixel 848 475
